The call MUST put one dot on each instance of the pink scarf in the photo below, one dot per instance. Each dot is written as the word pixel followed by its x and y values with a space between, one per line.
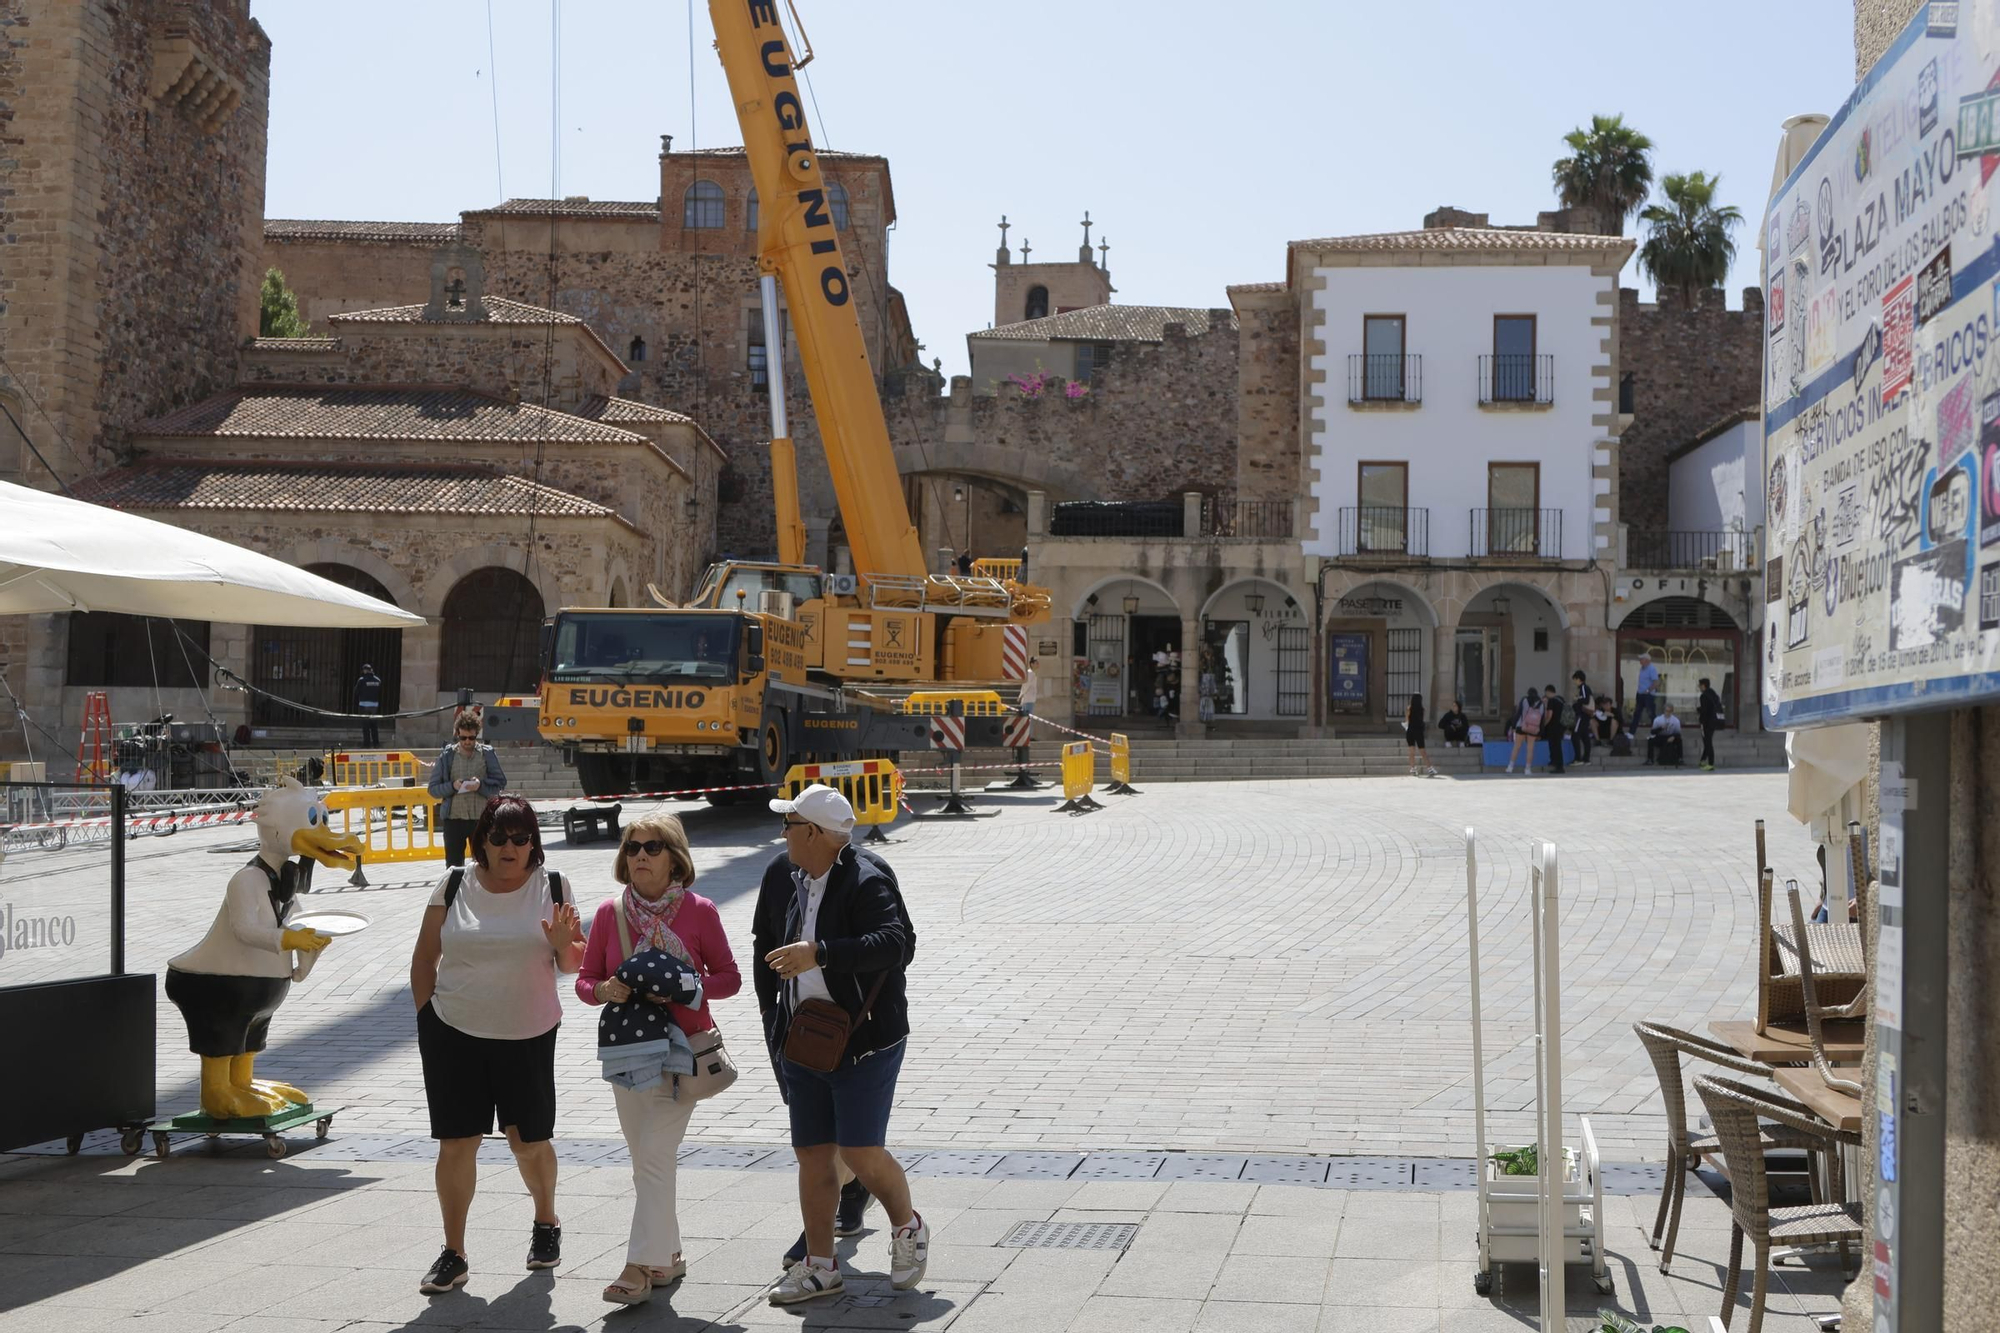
pixel 648 922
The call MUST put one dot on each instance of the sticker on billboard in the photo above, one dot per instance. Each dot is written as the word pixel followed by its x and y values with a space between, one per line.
pixel 1957 424
pixel 1899 308
pixel 1934 287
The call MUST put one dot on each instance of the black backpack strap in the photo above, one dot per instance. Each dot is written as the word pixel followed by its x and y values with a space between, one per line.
pixel 556 887
pixel 451 883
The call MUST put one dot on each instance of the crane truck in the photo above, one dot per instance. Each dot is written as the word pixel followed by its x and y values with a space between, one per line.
pixel 772 663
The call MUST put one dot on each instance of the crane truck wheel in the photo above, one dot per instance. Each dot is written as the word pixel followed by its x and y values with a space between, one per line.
pixel 774 751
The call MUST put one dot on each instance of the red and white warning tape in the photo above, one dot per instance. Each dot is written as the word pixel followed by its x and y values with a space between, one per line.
pixel 1102 744
pixel 141 823
pixel 691 791
pixel 984 768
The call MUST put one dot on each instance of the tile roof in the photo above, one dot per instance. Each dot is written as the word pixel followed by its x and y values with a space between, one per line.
pixel 600 407
pixel 318 487
pixel 257 412
pixel 737 151
pixel 307 229
pixel 1107 323
pixel 295 344
pixel 578 207
pixel 499 310
pixel 1727 422
pixel 1255 287
pixel 1465 238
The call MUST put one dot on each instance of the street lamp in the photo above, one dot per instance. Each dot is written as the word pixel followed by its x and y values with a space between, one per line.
pixel 1131 604
pixel 1254 603
pixel 1500 604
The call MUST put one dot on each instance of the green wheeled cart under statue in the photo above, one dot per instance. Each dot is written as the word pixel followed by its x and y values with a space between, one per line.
pixel 267 1127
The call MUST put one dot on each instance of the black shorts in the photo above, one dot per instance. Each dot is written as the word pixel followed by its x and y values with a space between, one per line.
pixel 226 1015
pixel 1414 734
pixel 473 1082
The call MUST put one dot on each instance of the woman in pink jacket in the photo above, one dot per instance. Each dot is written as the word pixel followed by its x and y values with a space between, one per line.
pixel 656 868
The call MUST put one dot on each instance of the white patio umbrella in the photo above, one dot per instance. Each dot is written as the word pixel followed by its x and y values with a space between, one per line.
pixel 59 554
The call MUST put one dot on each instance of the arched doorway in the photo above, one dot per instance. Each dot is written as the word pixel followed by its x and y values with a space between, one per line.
pixel 492 628
pixel 1256 652
pixel 320 667
pixel 1380 650
pixel 1127 650
pixel 1689 640
pixel 972 515
pixel 1511 636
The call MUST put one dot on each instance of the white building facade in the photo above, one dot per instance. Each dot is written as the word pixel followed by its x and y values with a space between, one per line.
pixel 1459 425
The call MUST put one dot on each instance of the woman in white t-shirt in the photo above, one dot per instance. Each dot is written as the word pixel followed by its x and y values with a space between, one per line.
pixel 484 980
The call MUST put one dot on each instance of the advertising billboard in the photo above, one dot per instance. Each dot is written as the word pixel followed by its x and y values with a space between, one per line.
pixel 1882 390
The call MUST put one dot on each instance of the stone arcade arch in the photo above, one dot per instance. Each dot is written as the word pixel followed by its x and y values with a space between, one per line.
pixel 320 667
pixel 1122 622
pixel 492 627
pixel 1382 646
pixel 1256 650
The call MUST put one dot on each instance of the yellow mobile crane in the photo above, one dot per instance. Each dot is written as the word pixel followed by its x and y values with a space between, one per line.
pixel 775 663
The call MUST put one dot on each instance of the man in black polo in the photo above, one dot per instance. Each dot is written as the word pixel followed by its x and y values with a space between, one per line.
pixel 829 925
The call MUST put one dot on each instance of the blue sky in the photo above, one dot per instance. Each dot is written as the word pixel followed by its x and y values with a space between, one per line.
pixel 1200 136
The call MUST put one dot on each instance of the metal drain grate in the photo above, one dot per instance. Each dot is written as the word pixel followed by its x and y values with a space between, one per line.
pixel 1070 1235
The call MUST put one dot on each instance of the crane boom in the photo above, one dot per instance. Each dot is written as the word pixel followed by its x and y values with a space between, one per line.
pixel 799 245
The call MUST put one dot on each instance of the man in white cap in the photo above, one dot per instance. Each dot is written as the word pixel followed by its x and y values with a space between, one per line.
pixel 829 925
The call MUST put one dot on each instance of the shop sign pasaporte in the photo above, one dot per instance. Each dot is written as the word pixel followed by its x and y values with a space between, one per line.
pixel 1882 390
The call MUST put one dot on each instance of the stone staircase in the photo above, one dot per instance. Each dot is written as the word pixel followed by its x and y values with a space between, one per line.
pixel 537 771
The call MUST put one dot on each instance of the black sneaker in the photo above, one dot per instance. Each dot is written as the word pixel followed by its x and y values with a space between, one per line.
pixel 797 1254
pixel 854 1200
pixel 545 1247
pixel 449 1271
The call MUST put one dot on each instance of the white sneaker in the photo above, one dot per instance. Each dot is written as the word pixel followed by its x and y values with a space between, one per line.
pixel 1510 768
pixel 1430 772
pixel 909 1253
pixel 803 1282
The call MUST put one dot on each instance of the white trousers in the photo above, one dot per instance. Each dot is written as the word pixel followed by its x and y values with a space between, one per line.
pixel 654 1125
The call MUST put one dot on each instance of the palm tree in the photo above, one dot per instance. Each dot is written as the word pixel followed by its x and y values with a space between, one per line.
pixel 1689 249
pixel 1610 168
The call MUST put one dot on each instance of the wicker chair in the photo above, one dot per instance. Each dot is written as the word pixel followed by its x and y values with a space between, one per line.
pixel 1736 1109
pixel 1666 1045
pixel 1816 1012
pixel 1835 947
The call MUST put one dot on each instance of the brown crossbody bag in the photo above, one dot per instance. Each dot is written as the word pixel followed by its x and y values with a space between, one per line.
pixel 817 1038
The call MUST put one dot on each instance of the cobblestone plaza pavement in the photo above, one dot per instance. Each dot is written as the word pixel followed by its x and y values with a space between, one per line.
pixel 1261 979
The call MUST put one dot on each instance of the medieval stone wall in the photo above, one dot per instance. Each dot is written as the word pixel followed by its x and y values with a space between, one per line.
pixel 1690 367
pixel 1159 420
pixel 1267 390
pixel 332 277
pixel 128 256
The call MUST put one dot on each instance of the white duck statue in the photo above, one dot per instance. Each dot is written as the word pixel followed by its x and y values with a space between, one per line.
pixel 228 986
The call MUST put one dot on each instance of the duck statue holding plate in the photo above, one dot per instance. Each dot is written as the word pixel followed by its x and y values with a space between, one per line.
pixel 228 986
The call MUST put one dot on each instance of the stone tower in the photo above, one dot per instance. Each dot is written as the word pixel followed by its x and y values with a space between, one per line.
pixel 1024 290
pixel 132 143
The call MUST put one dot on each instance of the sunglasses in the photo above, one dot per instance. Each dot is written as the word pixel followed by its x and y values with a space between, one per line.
pixel 497 838
pixel 651 847
pixel 798 823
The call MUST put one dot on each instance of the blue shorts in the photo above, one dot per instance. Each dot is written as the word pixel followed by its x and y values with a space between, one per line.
pixel 849 1106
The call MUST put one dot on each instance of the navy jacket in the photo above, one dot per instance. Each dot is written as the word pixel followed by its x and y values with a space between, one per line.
pixel 867 933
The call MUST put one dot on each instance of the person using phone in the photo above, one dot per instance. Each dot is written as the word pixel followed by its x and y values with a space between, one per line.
pixel 464 779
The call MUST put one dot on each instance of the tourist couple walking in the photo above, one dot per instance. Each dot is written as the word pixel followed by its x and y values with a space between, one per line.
pixel 831 942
